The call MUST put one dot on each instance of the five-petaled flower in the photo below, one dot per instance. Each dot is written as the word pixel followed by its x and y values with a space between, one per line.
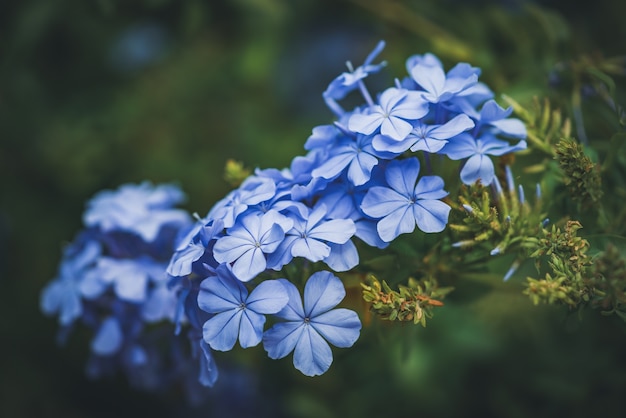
pixel 237 313
pixel 403 204
pixel 307 328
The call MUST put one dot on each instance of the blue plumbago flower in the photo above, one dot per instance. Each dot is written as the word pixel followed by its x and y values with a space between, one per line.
pixel 392 115
pixel 349 81
pixel 403 203
pixel 238 315
pixel 439 86
pixel 310 237
pixel 63 295
pixel 246 244
pixel 112 277
pixel 478 165
pixel 492 114
pixel 252 191
pixel 308 328
pixel 355 155
pixel 139 209
pixel 194 250
pixel 429 138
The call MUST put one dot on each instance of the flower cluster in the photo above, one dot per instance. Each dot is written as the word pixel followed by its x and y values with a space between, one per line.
pixel 112 277
pixel 365 180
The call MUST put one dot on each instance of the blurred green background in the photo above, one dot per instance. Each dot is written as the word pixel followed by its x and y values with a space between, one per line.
pixel 96 93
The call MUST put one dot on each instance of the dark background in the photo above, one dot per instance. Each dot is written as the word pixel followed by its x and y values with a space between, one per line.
pixel 97 93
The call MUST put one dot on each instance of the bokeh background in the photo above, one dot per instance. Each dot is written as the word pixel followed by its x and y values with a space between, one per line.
pixel 97 93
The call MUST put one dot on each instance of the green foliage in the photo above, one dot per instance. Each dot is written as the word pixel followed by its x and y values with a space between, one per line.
pixel 580 175
pixel 545 125
pixel 565 254
pixel 414 302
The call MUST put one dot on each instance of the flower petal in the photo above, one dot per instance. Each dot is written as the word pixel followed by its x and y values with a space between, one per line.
pixel 109 338
pixel 431 215
pixel 293 311
pixel 221 293
pixel 478 167
pixel 340 327
pixel 221 331
pixel 281 339
pixel 251 328
pixel 268 297
pixel 312 355
pixel 323 291
pixel 400 221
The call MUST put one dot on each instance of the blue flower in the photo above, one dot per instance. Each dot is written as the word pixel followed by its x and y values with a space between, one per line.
pixel 238 315
pixel 392 115
pixel 440 87
pixel 252 191
pixel 354 154
pixel 429 138
pixel 109 338
pixel 349 81
pixel 404 203
pixel 310 237
pixel 307 329
pixel 193 246
pixel 139 209
pixel 246 244
pixel 478 165
pixel 492 114
pixel 63 295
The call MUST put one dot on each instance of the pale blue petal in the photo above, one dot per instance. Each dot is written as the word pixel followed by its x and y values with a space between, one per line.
pixel 92 286
pixel 132 288
pixel 182 261
pixel 401 175
pixel 381 201
pixel 430 187
pixel 360 169
pixel 333 166
pixel 312 355
pixel 272 238
pixel 61 296
pixel 269 297
pixel 430 78
pixel 160 305
pixel 323 291
pixel 281 339
pixel 366 231
pixel 431 215
pixel 395 128
pixel 282 255
pixel 400 221
pixel 109 338
pixel 221 293
pixel 342 257
pixel 478 167
pixel 293 311
pixel 511 127
pixel 460 123
pixel 491 112
pixel 250 264
pixel 221 331
pixel 461 146
pixel 208 369
pixel 365 124
pixel 337 231
pixel 383 143
pixel 311 249
pixel 229 248
pixel 340 327
pixel 251 328
pixel 428 144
